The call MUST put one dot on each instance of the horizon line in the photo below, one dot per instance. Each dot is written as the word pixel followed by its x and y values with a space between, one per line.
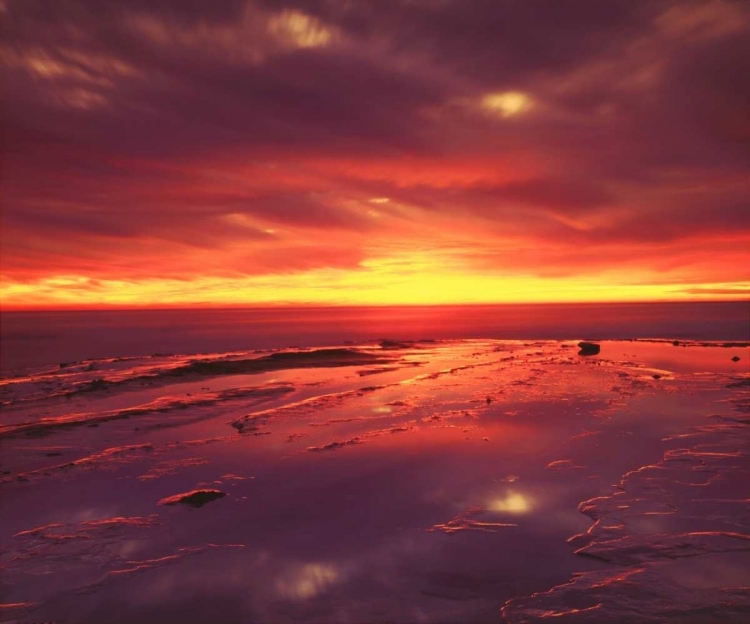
pixel 303 305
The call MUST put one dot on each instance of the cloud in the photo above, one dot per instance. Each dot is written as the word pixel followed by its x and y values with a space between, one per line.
pixel 585 141
pixel 717 291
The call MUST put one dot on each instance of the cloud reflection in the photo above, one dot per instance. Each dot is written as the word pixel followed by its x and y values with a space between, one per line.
pixel 512 503
pixel 308 580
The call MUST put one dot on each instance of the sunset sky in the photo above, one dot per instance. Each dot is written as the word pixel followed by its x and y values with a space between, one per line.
pixel 179 152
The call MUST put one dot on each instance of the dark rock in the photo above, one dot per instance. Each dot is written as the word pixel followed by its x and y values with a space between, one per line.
pixel 676 343
pixel 735 359
pixel 196 498
pixel 588 348
pixel 320 358
pixel 97 384
pixel 394 344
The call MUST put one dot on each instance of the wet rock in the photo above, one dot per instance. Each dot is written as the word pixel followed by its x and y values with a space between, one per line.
pixel 466 521
pixel 318 358
pixel 395 344
pixel 334 446
pixel 588 348
pixel 563 464
pixel 196 498
pixel 97 384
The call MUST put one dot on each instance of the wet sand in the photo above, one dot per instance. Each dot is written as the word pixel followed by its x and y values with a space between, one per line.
pixel 448 481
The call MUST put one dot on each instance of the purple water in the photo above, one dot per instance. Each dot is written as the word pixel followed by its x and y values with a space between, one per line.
pixel 479 481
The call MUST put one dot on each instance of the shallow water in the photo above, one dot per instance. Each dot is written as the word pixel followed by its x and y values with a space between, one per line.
pixel 447 481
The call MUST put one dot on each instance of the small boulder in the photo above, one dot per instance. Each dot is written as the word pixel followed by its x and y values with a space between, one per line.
pixel 98 384
pixel 196 498
pixel 588 348
pixel 394 344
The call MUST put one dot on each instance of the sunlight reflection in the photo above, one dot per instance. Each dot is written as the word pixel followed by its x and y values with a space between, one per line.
pixel 512 503
pixel 307 581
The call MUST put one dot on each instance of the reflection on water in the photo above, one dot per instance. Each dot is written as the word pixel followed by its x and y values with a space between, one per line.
pixel 307 580
pixel 513 502
pixel 444 486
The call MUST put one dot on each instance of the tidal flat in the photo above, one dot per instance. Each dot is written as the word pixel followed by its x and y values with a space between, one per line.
pixel 394 481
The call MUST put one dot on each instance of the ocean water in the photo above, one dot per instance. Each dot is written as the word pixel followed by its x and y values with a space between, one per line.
pixel 31 339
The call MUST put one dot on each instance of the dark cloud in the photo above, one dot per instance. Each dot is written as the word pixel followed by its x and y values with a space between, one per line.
pixel 497 42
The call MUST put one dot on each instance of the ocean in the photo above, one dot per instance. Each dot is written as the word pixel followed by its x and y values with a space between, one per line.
pixel 487 470
pixel 31 339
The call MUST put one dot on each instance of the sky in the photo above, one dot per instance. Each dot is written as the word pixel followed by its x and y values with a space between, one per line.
pixel 178 152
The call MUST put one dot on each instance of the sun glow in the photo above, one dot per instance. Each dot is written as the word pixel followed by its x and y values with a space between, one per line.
pixel 378 282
